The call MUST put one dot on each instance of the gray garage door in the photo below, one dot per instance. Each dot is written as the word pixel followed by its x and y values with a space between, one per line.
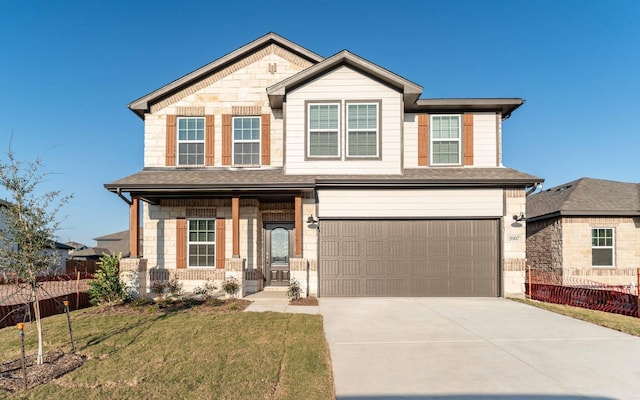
pixel 409 258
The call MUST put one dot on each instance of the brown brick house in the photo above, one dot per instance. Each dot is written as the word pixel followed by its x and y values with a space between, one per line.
pixel 587 229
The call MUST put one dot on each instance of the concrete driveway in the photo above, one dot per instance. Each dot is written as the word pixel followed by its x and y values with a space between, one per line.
pixel 436 348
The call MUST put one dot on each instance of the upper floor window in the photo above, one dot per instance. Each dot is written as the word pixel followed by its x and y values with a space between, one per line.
pixel 602 247
pixel 324 130
pixel 362 130
pixel 191 141
pixel 445 139
pixel 246 140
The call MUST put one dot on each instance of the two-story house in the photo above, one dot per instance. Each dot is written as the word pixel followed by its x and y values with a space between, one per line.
pixel 273 162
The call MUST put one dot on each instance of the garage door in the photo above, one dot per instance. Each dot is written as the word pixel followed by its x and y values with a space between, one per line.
pixel 409 258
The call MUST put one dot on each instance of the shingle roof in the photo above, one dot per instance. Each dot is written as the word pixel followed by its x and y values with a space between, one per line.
pixel 585 196
pixel 216 180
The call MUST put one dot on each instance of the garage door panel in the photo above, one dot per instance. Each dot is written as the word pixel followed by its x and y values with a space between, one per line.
pixel 409 258
pixel 373 287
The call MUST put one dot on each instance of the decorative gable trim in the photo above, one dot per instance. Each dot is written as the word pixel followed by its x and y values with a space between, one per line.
pixel 209 80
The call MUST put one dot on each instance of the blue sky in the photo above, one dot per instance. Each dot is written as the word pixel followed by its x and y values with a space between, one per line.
pixel 68 69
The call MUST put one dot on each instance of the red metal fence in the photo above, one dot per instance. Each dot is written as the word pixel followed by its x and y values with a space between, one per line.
pixel 16 299
pixel 550 288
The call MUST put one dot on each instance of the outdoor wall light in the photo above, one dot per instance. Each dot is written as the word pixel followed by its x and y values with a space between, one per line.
pixel 312 222
pixel 519 217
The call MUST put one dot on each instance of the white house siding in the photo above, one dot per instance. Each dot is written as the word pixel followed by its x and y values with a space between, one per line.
pixel 426 203
pixel 411 141
pixel 244 87
pixel 484 140
pixel 343 84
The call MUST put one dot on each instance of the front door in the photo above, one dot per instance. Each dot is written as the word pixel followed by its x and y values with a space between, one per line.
pixel 277 253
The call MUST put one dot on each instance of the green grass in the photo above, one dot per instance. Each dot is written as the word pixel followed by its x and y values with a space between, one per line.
pixel 622 323
pixel 194 354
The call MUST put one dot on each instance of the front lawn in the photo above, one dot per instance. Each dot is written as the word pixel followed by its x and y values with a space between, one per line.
pixel 198 353
pixel 622 323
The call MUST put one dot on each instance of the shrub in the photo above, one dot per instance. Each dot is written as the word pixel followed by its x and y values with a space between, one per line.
pixel 205 291
pixel 295 291
pixel 231 286
pixel 106 286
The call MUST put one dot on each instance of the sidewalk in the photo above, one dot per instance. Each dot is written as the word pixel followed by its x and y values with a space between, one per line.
pixel 276 301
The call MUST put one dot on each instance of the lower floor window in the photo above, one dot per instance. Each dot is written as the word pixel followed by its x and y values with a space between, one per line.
pixel 202 242
pixel 602 247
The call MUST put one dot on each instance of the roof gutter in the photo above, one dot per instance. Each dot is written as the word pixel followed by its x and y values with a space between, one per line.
pixel 118 191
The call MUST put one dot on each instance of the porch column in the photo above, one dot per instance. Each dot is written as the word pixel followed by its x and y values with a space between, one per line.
pixel 134 227
pixel 235 223
pixel 298 226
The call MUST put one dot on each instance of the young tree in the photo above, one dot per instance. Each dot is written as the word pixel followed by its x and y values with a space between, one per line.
pixel 27 247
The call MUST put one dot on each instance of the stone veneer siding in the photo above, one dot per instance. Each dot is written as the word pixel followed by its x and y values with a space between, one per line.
pixel 513 243
pixel 237 89
pixel 576 249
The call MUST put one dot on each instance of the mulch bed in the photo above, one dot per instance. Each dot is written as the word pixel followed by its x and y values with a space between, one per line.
pixel 304 301
pixel 56 364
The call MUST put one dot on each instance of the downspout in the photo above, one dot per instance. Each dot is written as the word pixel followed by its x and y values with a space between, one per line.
pixel 533 189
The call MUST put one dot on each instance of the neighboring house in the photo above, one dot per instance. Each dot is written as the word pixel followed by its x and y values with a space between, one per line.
pixel 117 243
pixel 90 253
pixel 61 249
pixel 587 229
pixel 75 246
pixel 273 162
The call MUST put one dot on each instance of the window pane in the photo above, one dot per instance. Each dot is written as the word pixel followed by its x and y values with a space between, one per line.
pixel 201 245
pixel 445 152
pixel 602 257
pixel 323 144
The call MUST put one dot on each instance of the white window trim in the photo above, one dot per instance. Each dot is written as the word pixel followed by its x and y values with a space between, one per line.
pixel 612 247
pixel 377 130
pixel 234 141
pixel 177 133
pixel 189 243
pixel 309 130
pixel 432 140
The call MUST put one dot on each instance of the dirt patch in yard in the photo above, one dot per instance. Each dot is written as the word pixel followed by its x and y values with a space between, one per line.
pixel 56 363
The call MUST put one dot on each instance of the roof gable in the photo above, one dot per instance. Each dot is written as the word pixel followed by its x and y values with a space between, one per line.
pixel 586 196
pixel 411 91
pixel 221 67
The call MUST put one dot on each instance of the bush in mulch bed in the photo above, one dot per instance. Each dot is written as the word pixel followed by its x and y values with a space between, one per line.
pixel 304 301
pixel 56 364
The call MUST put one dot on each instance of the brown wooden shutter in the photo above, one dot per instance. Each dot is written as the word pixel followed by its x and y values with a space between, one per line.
pixel 266 139
pixel 467 139
pixel 220 224
pixel 181 243
pixel 423 140
pixel 170 149
pixel 226 139
pixel 209 136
